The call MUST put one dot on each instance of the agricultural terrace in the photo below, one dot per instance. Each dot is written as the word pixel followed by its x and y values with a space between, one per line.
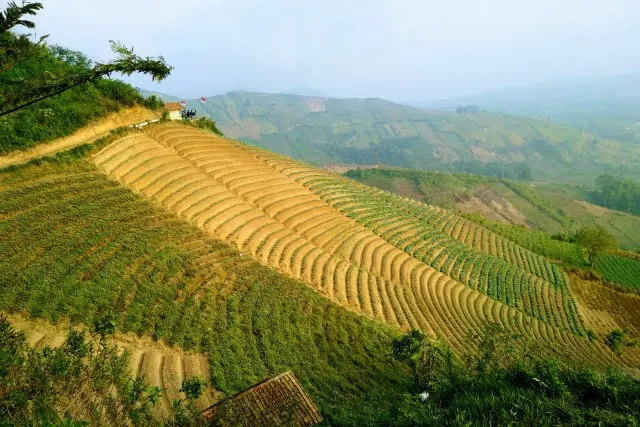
pixel 619 269
pixel 161 366
pixel 75 245
pixel 273 209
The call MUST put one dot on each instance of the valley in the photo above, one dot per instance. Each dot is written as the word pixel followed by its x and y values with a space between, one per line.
pixel 262 259
pixel 374 131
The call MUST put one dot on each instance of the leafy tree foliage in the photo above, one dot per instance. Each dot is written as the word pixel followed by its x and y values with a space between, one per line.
pixel 14 49
pixel 595 239
pixel 79 381
pixel 19 91
pixel 617 193
pixel 31 73
pixel 617 339
pixel 204 123
pixel 468 109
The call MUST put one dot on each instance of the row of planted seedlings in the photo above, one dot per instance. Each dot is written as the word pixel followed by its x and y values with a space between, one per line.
pixel 439 219
pixel 326 188
pixel 495 287
pixel 534 263
pixel 512 252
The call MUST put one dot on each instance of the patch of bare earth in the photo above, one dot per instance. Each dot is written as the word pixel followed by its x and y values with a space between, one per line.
pixel 491 205
pixel 599 210
pixel 314 105
pixel 342 168
pixel 482 154
pixel 405 187
pixel 162 366
pixel 603 308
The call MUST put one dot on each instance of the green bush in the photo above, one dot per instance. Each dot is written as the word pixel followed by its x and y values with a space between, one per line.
pixel 205 123
pixel 504 385
pixel 79 381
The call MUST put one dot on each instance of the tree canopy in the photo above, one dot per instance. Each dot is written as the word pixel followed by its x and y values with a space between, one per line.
pixel 18 91
pixel 617 193
pixel 595 239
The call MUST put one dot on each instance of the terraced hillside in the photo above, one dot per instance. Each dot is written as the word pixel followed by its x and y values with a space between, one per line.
pixel 75 245
pixel 397 261
pixel 162 366
pixel 373 131
pixel 553 208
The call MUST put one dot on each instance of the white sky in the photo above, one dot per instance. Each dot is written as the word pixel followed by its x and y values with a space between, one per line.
pixel 404 50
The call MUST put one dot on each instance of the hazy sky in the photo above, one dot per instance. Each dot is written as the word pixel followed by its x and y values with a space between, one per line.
pixel 404 50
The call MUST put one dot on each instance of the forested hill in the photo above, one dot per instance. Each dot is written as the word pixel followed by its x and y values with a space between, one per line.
pixel 371 131
pixel 606 106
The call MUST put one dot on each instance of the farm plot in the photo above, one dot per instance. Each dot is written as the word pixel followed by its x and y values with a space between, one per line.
pixel 346 260
pixel 615 268
pixel 161 366
pixel 75 245
pixel 422 238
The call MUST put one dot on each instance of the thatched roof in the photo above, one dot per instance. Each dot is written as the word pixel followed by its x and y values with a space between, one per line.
pixel 277 401
pixel 173 106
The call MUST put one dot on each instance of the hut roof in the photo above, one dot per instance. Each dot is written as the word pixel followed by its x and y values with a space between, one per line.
pixel 173 106
pixel 276 401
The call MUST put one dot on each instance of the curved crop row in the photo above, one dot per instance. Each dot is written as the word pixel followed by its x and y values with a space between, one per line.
pixel 625 271
pixel 307 238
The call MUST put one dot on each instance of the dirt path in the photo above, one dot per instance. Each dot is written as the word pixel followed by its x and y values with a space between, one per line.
pixel 161 365
pixel 85 135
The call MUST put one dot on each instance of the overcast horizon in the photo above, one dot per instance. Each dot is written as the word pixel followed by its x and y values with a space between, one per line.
pixel 405 51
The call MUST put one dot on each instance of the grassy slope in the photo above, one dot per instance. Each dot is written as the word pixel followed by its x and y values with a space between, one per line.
pixel 76 244
pixel 550 209
pixel 97 247
pixel 370 131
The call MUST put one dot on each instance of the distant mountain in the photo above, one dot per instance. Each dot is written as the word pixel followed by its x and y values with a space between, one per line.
pixel 606 106
pixel 305 91
pixel 373 131
pixel 163 96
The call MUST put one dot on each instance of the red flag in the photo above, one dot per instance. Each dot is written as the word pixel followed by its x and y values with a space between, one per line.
pixel 203 99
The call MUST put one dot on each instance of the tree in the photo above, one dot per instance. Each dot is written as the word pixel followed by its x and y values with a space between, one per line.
pixel 21 92
pixel 595 239
pixel 14 49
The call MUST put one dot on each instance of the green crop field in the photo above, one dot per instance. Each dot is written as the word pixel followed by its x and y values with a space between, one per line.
pixel 188 267
pixel 77 245
pixel 619 269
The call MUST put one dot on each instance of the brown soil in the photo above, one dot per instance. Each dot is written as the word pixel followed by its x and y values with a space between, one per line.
pixel 604 308
pixel 491 205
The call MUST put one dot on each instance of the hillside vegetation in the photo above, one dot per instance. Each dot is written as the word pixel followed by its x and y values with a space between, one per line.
pixel 80 246
pixel 372 131
pixel 406 265
pixel 605 106
pixel 525 214
pixel 77 245
pixel 65 113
